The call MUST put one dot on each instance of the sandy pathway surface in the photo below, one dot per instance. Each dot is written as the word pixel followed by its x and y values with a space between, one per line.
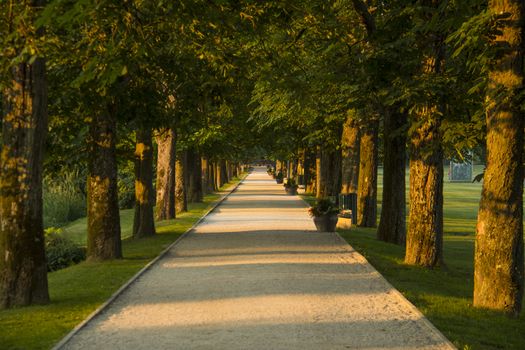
pixel 256 275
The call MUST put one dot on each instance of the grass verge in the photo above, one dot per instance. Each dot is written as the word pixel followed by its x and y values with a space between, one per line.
pixel 78 290
pixel 444 296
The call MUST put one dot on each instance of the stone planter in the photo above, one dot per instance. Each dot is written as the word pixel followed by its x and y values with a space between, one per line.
pixel 279 181
pixel 292 191
pixel 326 223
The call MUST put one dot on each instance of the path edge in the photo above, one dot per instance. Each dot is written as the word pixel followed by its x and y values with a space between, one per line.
pixel 126 285
pixel 426 322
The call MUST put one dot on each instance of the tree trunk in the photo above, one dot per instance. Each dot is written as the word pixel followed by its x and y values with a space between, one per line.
pixel 328 166
pixel 367 183
pixel 224 173
pixel 350 154
pixel 310 170
pixel 207 184
pixel 23 269
pixel 143 224
pixel 195 177
pixel 424 244
pixel 103 241
pixel 498 270
pixel 181 199
pixel 392 224
pixel 190 169
pixel 217 175
pixel 319 180
pixel 213 175
pixel 166 143
pixel 229 170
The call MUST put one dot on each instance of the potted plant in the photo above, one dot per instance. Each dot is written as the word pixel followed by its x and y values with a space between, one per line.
pixel 291 187
pixel 279 177
pixel 324 213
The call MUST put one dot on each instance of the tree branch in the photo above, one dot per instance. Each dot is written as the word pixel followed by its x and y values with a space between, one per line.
pixel 366 16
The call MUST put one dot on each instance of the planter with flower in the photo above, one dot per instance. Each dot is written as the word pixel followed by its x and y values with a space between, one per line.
pixel 291 187
pixel 324 213
pixel 279 178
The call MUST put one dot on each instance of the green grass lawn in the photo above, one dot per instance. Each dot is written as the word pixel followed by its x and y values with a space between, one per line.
pixel 78 290
pixel 445 295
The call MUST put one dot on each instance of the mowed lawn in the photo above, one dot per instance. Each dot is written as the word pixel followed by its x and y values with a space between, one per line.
pixel 78 290
pixel 444 295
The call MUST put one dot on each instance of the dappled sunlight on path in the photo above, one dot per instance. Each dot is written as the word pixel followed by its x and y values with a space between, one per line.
pixel 256 275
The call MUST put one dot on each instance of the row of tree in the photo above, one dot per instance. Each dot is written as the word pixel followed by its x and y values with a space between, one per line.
pixel 350 82
pixel 100 83
pixel 327 82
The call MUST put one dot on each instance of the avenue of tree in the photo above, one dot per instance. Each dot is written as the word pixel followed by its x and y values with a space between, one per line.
pixel 190 90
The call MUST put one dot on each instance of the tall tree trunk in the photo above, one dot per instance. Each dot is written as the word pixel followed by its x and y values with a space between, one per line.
pixel 213 175
pixel 143 224
pixel 310 169
pixel 424 245
pixel 498 270
pixel 166 143
pixel 207 186
pixel 392 224
pixel 319 179
pixel 329 173
pixel 224 172
pixel 23 269
pixel 181 200
pixel 218 175
pixel 190 169
pixel 195 177
pixel 367 183
pixel 103 241
pixel 350 154
pixel 229 170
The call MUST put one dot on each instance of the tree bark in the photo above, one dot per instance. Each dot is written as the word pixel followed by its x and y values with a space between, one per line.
pixel 367 183
pixel 350 154
pixel 103 242
pixel 194 177
pixel 213 175
pixel 319 180
pixel 329 173
pixel 498 268
pixel 143 223
pixel 392 224
pixel 310 170
pixel 23 269
pixel 166 155
pixel 424 244
pixel 207 182
pixel 181 200
pixel 217 174
pixel 224 173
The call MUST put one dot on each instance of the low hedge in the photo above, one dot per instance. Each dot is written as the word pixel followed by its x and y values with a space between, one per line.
pixel 61 252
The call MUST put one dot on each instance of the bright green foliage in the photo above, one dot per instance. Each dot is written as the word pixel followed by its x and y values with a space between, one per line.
pixel 61 252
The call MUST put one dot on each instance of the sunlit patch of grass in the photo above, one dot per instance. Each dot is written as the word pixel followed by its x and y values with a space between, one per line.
pixel 78 290
pixel 444 295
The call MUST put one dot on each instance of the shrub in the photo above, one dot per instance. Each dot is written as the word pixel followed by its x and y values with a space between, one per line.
pixel 126 190
pixel 60 251
pixel 290 183
pixel 64 199
pixel 323 206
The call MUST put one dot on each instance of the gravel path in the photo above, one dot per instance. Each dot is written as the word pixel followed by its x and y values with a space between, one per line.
pixel 255 275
